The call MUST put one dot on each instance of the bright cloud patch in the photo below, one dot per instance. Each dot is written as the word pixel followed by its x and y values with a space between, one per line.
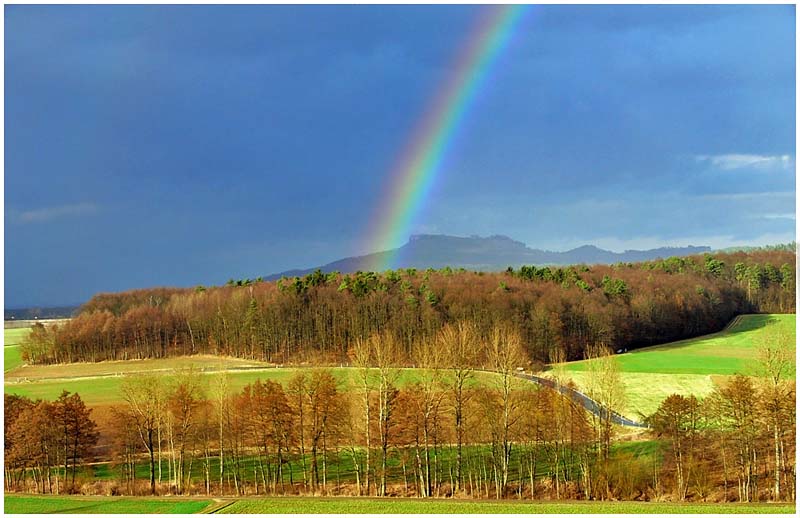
pixel 787 215
pixel 51 213
pixel 739 161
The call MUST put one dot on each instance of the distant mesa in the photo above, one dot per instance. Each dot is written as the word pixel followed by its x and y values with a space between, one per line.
pixel 493 253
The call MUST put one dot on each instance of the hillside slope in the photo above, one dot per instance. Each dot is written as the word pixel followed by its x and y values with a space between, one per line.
pixel 692 366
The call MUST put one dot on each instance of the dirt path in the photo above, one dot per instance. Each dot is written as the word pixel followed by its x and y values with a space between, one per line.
pixel 203 370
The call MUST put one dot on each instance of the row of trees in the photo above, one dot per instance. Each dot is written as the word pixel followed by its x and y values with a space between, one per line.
pixel 451 430
pixel 267 426
pixel 748 425
pixel 316 318
pixel 48 441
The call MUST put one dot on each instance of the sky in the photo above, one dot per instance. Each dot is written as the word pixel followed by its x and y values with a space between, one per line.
pixel 183 145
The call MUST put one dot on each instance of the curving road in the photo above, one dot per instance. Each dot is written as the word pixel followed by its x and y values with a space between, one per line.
pixel 588 403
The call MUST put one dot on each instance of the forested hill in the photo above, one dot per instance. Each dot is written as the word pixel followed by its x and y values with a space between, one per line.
pixel 492 253
pixel 318 317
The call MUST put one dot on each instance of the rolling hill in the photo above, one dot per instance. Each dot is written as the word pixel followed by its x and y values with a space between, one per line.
pixel 692 366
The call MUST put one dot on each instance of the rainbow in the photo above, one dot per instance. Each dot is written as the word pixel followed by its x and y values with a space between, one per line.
pixel 411 179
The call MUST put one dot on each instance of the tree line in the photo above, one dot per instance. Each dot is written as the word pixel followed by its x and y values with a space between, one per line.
pixel 748 425
pixel 46 442
pixel 316 318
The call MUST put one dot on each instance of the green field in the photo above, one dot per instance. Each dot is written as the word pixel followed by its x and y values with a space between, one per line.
pixel 431 506
pixel 11 353
pixel 689 366
pixel 31 504
pixel 105 389
pixel 18 504
pixel 11 357
pixel 15 336
pixel 644 392
pixel 728 352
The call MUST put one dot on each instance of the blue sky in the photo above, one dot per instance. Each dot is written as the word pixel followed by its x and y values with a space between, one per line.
pixel 185 145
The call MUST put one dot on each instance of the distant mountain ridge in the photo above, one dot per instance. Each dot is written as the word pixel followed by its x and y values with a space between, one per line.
pixel 39 312
pixel 491 253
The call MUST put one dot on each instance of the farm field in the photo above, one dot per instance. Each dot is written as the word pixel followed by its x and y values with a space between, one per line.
pixel 18 504
pixel 11 353
pixel 100 383
pixel 15 336
pixel 690 366
pixel 204 362
pixel 34 504
pixel 644 392
pixel 430 506
pixel 12 357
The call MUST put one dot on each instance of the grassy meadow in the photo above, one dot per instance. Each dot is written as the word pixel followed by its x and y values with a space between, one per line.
pixel 690 366
pixel 100 383
pixel 12 357
pixel 19 504
pixel 11 353
pixel 432 506
pixel 15 336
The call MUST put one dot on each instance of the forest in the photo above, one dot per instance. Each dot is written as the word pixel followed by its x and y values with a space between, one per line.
pixel 557 311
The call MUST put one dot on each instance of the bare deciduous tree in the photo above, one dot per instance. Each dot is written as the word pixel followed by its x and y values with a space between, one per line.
pixel 460 346
pixel 678 418
pixel 504 355
pixel 776 358
pixel 604 385
pixel 144 396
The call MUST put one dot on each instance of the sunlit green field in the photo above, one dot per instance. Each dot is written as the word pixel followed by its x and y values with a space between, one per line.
pixel 32 504
pixel 645 391
pixel 11 357
pixel 688 366
pixel 99 389
pixel 431 506
pixel 15 336
pixel 11 353
pixel 728 352
pixel 18 504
